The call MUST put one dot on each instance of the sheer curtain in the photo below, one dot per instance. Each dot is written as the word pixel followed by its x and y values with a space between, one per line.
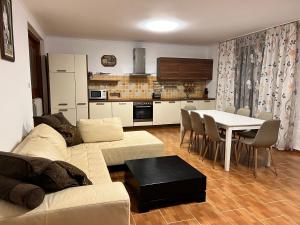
pixel 226 73
pixel 249 57
pixel 278 80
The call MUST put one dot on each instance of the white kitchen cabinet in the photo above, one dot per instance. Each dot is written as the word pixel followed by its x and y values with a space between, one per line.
pixel 61 63
pixel 100 110
pixel 206 104
pixel 81 80
pixel 82 112
pixel 158 113
pixel 62 90
pixel 68 84
pixel 81 87
pixel 70 114
pixel 172 112
pixel 189 103
pixel 166 112
pixel 123 110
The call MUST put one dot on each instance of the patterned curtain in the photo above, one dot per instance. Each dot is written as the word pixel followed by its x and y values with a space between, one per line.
pixel 296 142
pixel 249 57
pixel 277 82
pixel 226 71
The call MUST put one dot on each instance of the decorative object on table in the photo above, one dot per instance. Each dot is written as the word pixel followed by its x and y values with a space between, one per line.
pixel 6 31
pixel 189 88
pixel 108 60
pixel 205 93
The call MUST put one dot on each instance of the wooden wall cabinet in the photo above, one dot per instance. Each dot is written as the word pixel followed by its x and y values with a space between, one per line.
pixel 184 69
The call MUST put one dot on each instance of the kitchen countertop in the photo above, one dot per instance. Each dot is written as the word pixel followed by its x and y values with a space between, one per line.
pixel 151 100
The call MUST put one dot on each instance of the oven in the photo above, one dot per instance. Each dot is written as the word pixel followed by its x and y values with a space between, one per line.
pixel 142 111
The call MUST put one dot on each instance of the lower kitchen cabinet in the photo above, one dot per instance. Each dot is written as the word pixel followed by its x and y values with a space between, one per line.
pixel 70 114
pixel 207 104
pixel 123 110
pixel 193 103
pixel 100 110
pixel 166 112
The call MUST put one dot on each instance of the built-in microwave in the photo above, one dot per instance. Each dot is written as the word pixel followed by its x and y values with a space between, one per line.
pixel 97 94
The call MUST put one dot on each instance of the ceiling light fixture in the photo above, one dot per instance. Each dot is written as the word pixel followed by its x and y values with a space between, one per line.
pixel 161 25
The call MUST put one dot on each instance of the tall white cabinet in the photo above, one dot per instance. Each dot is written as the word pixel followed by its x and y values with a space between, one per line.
pixel 68 85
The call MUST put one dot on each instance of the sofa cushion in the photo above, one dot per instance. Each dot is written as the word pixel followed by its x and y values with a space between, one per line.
pixel 43 141
pixel 89 158
pixel 40 147
pixel 98 130
pixel 23 194
pixel 134 145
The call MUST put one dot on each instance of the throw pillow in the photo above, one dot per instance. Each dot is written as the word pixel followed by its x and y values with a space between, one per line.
pixel 97 130
pixel 50 175
pixel 59 122
pixel 23 194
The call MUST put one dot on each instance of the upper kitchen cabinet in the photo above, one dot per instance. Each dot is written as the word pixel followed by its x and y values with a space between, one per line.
pixel 63 63
pixel 184 69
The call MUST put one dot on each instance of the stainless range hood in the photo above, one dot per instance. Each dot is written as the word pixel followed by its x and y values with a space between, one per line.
pixel 139 62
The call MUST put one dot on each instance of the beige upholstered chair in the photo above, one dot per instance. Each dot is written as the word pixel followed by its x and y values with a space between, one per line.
pixel 199 130
pixel 190 107
pixel 243 112
pixel 214 136
pixel 252 133
pixel 230 109
pixel 186 125
pixel 265 138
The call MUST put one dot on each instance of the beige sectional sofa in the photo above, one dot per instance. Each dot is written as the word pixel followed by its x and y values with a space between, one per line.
pixel 105 202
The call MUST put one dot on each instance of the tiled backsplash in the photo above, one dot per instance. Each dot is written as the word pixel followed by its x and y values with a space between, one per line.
pixel 131 87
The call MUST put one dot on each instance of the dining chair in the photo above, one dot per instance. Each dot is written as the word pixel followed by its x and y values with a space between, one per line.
pixel 265 138
pixel 252 133
pixel 243 112
pixel 230 109
pixel 214 136
pixel 190 107
pixel 199 130
pixel 186 126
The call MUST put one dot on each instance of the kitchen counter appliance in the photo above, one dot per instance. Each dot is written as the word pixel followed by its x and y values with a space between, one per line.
pixel 142 111
pixel 97 94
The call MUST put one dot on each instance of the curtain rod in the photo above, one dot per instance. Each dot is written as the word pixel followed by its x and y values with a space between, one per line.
pixel 244 35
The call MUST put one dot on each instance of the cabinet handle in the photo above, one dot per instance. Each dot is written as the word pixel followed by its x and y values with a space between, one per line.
pixel 122 103
pixel 63 110
pixel 81 103
pixel 171 101
pixel 100 103
pixel 61 70
pixel 190 101
pixel 62 104
pixel 157 102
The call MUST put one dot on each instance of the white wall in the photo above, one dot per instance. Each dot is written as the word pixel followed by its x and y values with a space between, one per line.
pixel 15 90
pixel 123 52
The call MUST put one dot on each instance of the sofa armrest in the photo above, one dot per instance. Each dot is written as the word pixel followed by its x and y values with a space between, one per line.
pixel 106 204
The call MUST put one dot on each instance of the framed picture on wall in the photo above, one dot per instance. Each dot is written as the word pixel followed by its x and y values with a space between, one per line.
pixel 6 31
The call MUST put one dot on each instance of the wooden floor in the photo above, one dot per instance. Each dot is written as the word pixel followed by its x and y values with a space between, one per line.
pixel 234 197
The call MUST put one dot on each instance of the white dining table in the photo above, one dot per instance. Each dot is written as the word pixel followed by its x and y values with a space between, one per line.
pixel 229 122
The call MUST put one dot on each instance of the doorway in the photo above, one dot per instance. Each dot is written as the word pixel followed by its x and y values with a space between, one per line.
pixel 39 79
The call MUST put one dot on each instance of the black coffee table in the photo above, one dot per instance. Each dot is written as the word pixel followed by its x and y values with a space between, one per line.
pixel 164 180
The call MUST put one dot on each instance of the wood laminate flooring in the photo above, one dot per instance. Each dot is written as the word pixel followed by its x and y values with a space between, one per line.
pixel 234 197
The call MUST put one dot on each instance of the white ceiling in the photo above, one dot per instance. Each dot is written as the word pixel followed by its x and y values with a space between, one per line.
pixel 206 21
